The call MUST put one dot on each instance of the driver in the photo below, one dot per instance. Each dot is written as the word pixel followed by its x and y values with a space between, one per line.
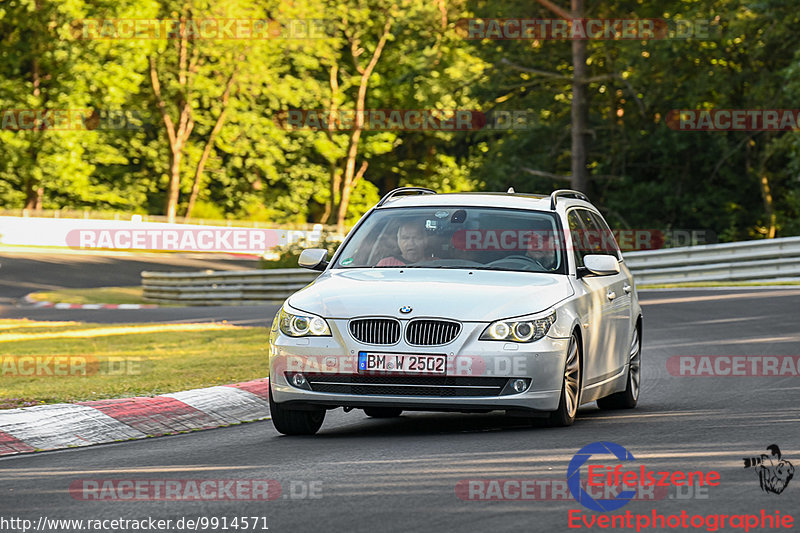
pixel 543 249
pixel 412 239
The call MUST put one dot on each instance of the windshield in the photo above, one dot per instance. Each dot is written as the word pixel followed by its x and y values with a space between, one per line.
pixel 476 238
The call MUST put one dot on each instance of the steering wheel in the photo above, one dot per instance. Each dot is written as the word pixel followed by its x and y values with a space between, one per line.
pixel 525 258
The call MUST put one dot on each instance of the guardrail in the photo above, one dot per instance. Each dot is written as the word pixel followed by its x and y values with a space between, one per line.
pixel 738 261
pixel 760 260
pixel 235 287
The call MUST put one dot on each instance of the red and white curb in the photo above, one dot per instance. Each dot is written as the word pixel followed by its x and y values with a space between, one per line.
pixel 30 302
pixel 58 426
pixel 93 306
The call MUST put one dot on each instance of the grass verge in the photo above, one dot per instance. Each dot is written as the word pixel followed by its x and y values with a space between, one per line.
pixel 41 362
pixel 99 295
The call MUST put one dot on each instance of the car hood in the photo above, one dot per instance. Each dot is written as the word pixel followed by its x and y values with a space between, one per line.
pixel 465 295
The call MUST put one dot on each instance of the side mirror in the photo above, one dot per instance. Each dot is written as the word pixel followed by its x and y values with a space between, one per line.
pixel 313 258
pixel 601 265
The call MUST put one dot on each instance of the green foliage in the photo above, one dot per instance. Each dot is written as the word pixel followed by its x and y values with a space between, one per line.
pixel 290 253
pixel 644 174
pixel 208 211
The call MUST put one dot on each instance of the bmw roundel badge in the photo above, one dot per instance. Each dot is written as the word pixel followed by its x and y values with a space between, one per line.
pixel 405 309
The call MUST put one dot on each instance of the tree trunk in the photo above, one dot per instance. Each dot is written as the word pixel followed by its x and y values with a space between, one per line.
pixel 177 136
pixel 350 177
pixel 177 140
pixel 579 178
pixel 763 183
pixel 174 183
pixel 769 207
pixel 201 165
pixel 580 108
pixel 331 206
pixel 33 190
pixel 349 170
pixel 33 195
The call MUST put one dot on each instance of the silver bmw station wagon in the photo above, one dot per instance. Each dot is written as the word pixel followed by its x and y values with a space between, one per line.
pixel 468 302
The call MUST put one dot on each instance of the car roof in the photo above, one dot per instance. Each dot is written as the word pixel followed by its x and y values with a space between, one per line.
pixel 480 199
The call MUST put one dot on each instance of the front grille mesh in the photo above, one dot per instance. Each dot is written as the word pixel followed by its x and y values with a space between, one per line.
pixel 441 386
pixel 375 330
pixel 431 332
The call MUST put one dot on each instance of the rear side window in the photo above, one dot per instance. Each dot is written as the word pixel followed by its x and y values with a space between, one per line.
pixel 608 243
pixel 590 235
pixel 577 229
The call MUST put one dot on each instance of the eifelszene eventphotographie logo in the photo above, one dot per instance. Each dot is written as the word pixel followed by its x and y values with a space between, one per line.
pixel 621 478
pixel 774 472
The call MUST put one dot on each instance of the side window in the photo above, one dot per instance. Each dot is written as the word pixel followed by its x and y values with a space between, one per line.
pixel 608 244
pixel 577 230
pixel 590 235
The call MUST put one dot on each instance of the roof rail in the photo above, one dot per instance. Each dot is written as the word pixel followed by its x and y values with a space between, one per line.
pixel 404 191
pixel 566 193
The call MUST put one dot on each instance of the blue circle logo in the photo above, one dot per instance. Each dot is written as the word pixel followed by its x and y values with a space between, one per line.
pixel 405 309
pixel 574 477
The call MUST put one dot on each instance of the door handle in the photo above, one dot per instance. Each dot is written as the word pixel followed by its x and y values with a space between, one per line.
pixel 611 295
pixel 627 289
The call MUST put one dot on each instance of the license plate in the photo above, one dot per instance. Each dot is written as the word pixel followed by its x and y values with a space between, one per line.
pixel 401 363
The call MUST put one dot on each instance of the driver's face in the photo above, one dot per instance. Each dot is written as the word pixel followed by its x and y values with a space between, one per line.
pixel 543 251
pixel 412 242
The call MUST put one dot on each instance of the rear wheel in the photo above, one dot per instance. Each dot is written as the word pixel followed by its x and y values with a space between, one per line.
pixel 294 421
pixel 383 412
pixel 564 415
pixel 628 398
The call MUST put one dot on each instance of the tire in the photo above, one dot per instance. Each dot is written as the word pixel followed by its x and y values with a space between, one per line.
pixel 571 383
pixel 383 412
pixel 628 398
pixel 294 421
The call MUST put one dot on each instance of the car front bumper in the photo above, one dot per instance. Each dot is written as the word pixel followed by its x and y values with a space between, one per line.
pixel 476 372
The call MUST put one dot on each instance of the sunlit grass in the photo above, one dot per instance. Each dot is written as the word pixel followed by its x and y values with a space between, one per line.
pixel 127 360
pixel 98 295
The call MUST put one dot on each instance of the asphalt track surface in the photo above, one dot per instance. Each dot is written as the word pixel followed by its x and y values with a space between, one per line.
pixel 401 474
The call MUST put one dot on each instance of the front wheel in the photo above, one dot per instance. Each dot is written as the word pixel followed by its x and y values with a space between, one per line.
pixel 294 421
pixel 628 398
pixel 564 415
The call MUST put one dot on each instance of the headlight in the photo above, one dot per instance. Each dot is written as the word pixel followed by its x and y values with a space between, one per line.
pixel 303 325
pixel 518 330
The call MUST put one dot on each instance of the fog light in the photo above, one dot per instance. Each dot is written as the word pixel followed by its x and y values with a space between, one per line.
pixel 299 380
pixel 519 385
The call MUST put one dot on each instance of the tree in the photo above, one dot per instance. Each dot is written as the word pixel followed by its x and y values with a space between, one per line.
pixel 580 108
pixel 191 58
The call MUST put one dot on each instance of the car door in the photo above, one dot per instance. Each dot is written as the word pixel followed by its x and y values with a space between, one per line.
pixel 601 304
pixel 622 286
